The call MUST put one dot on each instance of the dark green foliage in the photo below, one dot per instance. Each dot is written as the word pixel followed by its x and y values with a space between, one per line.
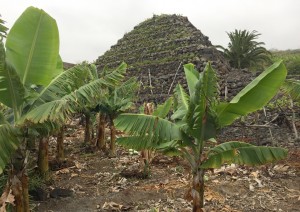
pixel 291 60
pixel 3 29
pixel 197 116
pixel 244 51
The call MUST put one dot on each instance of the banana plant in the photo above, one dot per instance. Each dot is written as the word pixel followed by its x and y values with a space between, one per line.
pixel 117 101
pixel 292 88
pixel 197 117
pixel 68 94
pixel 30 58
pixel 73 91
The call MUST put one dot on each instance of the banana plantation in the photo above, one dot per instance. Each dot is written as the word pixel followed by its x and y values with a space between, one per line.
pixel 81 139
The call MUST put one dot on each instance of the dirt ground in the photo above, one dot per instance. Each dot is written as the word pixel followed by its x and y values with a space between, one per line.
pixel 98 184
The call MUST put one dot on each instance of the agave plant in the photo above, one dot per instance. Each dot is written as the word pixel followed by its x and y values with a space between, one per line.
pixel 197 116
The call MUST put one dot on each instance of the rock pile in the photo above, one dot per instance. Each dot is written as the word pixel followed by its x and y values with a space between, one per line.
pixel 155 51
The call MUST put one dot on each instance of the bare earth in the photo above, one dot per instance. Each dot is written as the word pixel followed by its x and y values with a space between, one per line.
pixel 98 184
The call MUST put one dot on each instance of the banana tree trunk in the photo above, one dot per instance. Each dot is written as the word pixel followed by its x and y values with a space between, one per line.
pixel 293 119
pixel 87 131
pixel 146 154
pixel 30 143
pixel 101 133
pixel 25 192
pixel 29 140
pixel 112 138
pixel 18 182
pixel 43 165
pixel 60 154
pixel 198 190
pixel 17 191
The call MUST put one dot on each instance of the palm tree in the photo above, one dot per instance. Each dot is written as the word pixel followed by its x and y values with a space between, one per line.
pixel 3 29
pixel 197 117
pixel 244 51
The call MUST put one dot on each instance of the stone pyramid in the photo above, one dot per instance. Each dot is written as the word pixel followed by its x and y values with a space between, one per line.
pixel 156 50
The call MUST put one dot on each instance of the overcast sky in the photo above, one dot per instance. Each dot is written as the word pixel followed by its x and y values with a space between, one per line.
pixel 88 28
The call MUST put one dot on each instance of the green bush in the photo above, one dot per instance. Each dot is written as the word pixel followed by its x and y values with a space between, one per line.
pixel 291 60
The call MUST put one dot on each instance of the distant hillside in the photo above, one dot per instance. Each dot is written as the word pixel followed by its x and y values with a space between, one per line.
pixel 68 65
pixel 291 60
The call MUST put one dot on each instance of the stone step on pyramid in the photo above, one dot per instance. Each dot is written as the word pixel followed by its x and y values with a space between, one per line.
pixel 156 50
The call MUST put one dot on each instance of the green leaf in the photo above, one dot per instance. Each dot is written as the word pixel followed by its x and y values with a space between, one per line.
pixel 32 47
pixel 254 96
pixel 119 98
pixel 228 146
pixel 59 65
pixel 60 109
pixel 136 142
pixel 11 89
pixel 182 100
pixel 200 116
pixel 63 84
pixel 163 110
pixel 115 77
pixel 156 129
pixel 3 119
pixel 64 97
pixel 192 76
pixel 93 71
pixel 243 154
pixel 9 143
pixel 292 86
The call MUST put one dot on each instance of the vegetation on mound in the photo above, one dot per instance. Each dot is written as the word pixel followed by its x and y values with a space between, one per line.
pixel 291 59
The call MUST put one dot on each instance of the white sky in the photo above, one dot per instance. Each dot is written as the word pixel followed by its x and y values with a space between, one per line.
pixel 88 28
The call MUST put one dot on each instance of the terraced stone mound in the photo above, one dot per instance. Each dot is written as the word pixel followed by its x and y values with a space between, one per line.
pixel 156 50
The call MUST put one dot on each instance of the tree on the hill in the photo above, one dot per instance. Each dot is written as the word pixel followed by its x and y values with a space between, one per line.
pixel 3 29
pixel 244 51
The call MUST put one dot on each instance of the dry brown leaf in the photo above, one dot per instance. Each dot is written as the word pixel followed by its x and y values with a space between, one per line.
pixel 258 182
pixel 266 190
pixel 10 198
pixel 281 168
pixel 78 165
pixel 3 207
pixel 251 187
pixel 6 197
pixel 112 206
pixel 254 174
pixel 209 197
pixel 74 175
pixel 63 171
